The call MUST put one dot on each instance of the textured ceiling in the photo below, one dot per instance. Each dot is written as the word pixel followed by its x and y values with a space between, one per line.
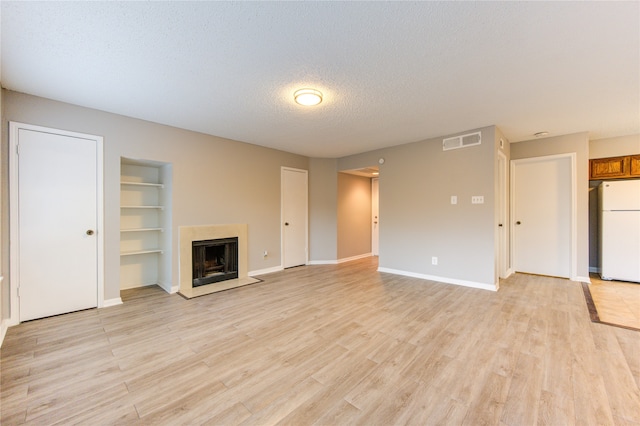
pixel 390 72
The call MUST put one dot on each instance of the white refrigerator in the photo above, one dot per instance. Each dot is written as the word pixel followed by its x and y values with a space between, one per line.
pixel 619 203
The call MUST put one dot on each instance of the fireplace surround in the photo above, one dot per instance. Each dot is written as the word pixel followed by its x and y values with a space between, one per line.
pixel 191 234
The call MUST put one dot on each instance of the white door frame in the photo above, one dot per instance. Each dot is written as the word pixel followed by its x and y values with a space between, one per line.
pixel 573 217
pixel 306 215
pixel 14 248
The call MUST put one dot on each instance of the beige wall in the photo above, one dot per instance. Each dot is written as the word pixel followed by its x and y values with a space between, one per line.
pixel 417 219
pixel 323 207
pixel 614 147
pixel 603 148
pixel 354 216
pixel 215 180
pixel 578 143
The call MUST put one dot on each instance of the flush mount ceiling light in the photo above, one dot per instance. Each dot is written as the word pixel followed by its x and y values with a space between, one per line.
pixel 541 134
pixel 307 97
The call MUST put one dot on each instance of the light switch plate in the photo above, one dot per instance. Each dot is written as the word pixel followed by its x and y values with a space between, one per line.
pixel 454 199
pixel 477 199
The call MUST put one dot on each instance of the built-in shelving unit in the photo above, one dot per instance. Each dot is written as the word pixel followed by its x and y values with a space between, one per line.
pixel 145 194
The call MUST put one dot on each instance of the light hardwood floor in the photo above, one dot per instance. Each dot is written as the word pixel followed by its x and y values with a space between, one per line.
pixel 329 345
pixel 617 302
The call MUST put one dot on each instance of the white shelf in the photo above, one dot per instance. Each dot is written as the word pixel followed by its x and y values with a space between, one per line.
pixel 156 185
pixel 142 207
pixel 142 230
pixel 133 253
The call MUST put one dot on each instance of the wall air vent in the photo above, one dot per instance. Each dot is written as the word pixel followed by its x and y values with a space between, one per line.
pixel 462 141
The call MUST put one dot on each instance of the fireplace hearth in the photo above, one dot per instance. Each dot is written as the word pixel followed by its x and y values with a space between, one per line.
pixel 214 260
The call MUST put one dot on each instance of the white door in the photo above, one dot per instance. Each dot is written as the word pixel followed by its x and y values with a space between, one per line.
pixel 57 215
pixel 542 215
pixel 294 217
pixel 503 250
pixel 375 217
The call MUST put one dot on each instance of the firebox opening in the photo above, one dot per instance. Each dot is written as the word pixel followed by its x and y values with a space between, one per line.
pixel 214 260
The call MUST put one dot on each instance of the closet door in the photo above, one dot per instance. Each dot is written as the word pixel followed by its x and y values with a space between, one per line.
pixel 57 223
pixel 542 215
pixel 294 217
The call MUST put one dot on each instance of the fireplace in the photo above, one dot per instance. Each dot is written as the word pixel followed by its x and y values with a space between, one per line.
pixel 212 270
pixel 214 260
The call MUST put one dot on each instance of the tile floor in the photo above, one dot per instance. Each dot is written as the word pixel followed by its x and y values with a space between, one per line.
pixel 617 302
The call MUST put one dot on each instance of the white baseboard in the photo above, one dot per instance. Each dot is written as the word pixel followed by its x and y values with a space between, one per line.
pixel 265 271
pixel 349 259
pixel 483 286
pixel 174 289
pixel 581 279
pixel 112 302
pixel 322 262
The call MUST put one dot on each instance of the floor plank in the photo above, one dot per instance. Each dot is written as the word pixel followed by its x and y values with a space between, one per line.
pixel 327 344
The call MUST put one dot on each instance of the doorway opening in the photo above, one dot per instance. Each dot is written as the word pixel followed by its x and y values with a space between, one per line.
pixel 358 213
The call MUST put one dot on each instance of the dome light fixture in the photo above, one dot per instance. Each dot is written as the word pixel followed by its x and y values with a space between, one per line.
pixel 307 97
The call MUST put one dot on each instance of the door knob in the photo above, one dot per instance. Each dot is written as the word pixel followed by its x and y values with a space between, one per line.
pixel 500 225
pixel 286 224
pixel 89 231
pixel 518 223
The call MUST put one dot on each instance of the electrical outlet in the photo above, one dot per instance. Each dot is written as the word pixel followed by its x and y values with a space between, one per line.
pixel 264 254
pixel 454 199
pixel 434 260
pixel 477 199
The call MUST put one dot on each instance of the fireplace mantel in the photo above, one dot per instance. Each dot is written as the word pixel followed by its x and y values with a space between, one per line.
pixel 188 234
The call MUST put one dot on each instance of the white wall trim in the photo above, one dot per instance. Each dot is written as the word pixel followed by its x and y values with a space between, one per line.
pixel 349 259
pixel 266 271
pixel 111 302
pixel 322 262
pixel 14 236
pixel 582 279
pixel 473 284
pixel 174 289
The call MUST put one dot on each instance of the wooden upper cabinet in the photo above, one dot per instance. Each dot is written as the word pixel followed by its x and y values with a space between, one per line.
pixel 635 165
pixel 614 167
